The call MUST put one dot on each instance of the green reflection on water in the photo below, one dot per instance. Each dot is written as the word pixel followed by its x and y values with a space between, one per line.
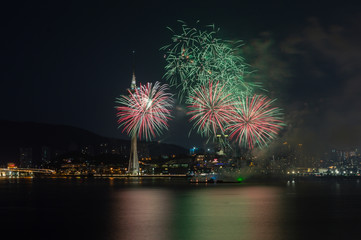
pixel 226 213
pixel 208 214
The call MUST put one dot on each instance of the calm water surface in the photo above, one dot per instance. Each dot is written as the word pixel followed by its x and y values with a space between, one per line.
pixel 174 209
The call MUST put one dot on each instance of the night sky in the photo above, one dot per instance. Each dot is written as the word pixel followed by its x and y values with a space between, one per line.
pixel 66 62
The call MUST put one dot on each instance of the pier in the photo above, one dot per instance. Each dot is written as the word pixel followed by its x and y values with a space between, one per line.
pixel 24 172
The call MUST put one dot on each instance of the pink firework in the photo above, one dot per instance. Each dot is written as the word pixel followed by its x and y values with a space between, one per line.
pixel 146 111
pixel 255 122
pixel 210 109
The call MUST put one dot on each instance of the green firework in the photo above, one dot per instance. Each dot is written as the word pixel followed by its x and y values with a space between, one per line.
pixel 196 56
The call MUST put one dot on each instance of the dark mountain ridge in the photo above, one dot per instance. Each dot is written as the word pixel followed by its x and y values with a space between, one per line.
pixel 16 135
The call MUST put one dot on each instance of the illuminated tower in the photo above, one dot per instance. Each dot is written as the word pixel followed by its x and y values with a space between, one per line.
pixel 133 167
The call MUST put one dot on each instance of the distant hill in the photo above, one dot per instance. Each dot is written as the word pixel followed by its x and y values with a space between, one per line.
pixel 16 135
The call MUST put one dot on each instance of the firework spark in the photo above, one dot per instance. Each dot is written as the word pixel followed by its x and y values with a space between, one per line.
pixel 210 108
pixel 255 121
pixel 146 111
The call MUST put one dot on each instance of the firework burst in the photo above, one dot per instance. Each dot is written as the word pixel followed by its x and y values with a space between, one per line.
pixel 195 56
pixel 146 111
pixel 255 121
pixel 210 108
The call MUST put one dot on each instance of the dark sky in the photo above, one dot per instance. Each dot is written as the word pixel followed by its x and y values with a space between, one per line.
pixel 66 62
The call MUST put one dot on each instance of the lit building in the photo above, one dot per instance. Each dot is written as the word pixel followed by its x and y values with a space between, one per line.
pixel 193 150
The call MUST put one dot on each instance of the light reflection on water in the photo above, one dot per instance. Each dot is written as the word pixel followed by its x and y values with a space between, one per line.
pixel 204 213
pixel 230 213
pixel 160 209
pixel 141 214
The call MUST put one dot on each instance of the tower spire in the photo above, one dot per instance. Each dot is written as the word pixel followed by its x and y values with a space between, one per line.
pixel 134 83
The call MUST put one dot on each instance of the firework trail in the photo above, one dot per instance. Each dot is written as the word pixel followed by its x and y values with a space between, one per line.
pixel 255 121
pixel 146 111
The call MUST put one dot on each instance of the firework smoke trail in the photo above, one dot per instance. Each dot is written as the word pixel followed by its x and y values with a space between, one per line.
pixel 210 108
pixel 255 121
pixel 146 111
